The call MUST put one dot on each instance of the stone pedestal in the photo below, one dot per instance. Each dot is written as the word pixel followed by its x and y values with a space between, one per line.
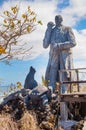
pixel 63 111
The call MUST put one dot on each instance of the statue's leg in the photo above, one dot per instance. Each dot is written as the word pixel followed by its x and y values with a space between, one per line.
pixel 53 77
pixel 64 87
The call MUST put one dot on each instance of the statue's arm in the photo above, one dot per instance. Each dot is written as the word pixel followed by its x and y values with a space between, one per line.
pixel 46 40
pixel 70 40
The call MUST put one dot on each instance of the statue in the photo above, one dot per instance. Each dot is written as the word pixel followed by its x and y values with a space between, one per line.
pixel 61 41
pixel 30 82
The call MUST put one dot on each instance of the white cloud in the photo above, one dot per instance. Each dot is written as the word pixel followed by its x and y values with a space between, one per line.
pixel 80 64
pixel 80 49
pixel 40 73
pixel 74 12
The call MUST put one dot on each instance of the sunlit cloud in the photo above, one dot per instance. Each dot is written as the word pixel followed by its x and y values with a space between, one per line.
pixel 74 12
pixel 80 49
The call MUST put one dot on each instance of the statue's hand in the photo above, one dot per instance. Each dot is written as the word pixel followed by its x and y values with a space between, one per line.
pixel 56 46
pixel 50 25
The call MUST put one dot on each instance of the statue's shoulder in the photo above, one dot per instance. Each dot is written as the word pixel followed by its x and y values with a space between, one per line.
pixel 67 28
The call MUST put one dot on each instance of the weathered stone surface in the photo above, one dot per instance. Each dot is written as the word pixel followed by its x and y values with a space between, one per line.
pixel 30 82
pixel 18 115
pixel 18 94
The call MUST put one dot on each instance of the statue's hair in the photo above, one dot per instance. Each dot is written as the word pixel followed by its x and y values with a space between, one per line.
pixel 59 17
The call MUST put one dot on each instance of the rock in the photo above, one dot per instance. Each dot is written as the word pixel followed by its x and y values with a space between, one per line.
pixel 18 94
pixel 15 106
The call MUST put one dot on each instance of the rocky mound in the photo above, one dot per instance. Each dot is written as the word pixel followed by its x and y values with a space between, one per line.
pixel 16 115
pixel 26 122
pixel 19 116
pixel 7 123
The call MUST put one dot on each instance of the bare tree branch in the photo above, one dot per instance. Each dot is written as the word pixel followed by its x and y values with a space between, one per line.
pixel 12 29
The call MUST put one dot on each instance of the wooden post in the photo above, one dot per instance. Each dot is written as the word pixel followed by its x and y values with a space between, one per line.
pixel 60 81
pixel 70 83
pixel 77 72
pixel 63 111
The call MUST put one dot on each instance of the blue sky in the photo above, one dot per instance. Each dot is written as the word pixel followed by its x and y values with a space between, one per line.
pixel 18 69
pixel 74 15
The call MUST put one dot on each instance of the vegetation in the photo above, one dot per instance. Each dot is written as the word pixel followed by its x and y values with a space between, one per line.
pixel 13 26
pixel 44 81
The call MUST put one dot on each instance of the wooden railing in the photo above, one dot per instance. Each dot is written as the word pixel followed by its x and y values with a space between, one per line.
pixel 70 80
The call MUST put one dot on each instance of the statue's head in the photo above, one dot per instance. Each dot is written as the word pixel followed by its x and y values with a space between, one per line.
pixel 58 20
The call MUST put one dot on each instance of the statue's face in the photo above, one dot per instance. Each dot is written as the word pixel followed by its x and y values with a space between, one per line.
pixel 58 20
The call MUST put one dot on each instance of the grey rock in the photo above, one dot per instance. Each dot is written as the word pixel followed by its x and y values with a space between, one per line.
pixel 18 94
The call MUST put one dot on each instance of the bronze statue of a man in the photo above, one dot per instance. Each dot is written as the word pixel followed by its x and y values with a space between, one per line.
pixel 61 40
